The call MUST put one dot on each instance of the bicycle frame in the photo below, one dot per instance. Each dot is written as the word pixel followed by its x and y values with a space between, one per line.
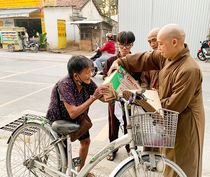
pixel 125 139
pixel 37 164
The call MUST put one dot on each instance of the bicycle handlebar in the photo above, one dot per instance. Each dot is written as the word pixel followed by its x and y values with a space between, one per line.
pixel 137 95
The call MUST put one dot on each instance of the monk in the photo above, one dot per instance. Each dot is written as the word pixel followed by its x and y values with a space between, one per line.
pixel 149 79
pixel 180 89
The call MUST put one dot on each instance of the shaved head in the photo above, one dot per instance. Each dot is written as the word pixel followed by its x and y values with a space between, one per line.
pixel 171 40
pixel 172 31
pixel 154 32
pixel 152 38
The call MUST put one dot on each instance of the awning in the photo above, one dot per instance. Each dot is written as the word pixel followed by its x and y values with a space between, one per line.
pixel 16 13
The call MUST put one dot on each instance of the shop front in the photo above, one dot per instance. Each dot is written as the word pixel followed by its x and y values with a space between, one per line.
pixel 39 16
pixel 33 23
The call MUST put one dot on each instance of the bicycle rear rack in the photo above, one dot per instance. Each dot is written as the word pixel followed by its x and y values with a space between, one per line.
pixel 16 123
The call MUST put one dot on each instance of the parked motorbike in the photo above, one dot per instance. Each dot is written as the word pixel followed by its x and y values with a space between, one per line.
pixel 93 58
pixel 30 46
pixel 204 53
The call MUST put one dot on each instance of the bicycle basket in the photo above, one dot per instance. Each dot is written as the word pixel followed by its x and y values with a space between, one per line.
pixel 154 129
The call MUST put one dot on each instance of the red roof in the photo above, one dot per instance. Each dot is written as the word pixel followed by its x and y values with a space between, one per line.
pixel 78 4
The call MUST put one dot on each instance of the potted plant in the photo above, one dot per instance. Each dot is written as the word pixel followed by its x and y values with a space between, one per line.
pixel 43 41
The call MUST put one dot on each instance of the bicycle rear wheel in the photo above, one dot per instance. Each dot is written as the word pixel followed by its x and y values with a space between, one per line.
pixel 27 142
pixel 171 169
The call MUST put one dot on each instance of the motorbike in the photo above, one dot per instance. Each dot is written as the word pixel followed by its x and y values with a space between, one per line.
pixel 93 58
pixel 30 46
pixel 204 53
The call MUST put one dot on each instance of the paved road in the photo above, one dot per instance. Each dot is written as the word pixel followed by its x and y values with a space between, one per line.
pixel 26 81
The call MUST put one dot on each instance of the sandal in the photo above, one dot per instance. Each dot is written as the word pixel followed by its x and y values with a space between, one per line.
pixel 90 174
pixel 100 72
pixel 111 156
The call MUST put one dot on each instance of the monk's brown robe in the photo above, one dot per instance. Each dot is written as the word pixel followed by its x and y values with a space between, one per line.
pixel 180 89
pixel 150 79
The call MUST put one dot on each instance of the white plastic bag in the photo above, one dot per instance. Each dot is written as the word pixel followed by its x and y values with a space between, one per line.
pixel 118 112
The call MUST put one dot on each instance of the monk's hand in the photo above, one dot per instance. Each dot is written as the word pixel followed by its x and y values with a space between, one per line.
pixel 153 89
pixel 115 65
pixel 100 91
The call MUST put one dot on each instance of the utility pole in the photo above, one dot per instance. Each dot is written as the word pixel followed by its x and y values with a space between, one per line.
pixel 110 8
pixel 91 9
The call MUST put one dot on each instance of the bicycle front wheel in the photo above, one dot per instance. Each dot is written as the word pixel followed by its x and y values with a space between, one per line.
pixel 171 169
pixel 27 142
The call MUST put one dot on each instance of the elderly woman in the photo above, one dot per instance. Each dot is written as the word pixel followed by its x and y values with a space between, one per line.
pixel 76 92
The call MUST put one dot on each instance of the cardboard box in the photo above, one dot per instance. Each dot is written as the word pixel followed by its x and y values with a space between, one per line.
pixel 151 105
pixel 119 81
pixel 155 102
pixel 122 81
pixel 112 93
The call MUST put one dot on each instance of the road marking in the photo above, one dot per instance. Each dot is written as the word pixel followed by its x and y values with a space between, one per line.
pixel 23 82
pixel 99 119
pixel 25 72
pixel 205 107
pixel 26 96
pixel 102 135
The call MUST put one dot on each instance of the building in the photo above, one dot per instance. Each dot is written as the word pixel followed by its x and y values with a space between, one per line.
pixel 90 25
pixel 40 16
pixel 54 17
pixel 141 16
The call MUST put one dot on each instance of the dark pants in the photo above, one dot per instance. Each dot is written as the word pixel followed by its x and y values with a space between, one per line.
pixel 114 125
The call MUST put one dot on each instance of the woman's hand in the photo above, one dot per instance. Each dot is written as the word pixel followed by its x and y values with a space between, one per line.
pixel 115 65
pixel 100 91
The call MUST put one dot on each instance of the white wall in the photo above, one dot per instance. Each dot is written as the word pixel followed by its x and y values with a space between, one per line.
pixel 140 16
pixel 51 15
pixel 90 10
pixel 87 11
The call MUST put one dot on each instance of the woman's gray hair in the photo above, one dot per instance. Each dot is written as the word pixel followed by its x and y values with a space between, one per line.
pixel 77 63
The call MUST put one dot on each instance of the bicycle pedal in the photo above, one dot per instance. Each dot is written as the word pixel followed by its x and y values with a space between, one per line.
pixel 77 161
pixel 152 169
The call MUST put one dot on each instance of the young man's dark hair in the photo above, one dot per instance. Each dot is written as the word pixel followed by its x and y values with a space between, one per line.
pixel 125 37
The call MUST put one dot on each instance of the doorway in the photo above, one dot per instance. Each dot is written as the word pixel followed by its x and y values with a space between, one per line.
pixel 61 34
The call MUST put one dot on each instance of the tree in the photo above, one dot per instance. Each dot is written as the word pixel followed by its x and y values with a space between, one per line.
pixel 108 7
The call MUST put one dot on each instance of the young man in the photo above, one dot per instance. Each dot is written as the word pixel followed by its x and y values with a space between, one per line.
pixel 149 79
pixel 180 90
pixel 125 41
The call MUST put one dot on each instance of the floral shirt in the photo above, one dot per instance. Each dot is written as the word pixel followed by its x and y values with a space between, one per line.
pixel 69 93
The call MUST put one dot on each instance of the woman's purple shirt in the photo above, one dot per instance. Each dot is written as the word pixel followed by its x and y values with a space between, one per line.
pixel 69 93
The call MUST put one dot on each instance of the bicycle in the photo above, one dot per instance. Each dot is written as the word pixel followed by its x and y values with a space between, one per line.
pixel 36 147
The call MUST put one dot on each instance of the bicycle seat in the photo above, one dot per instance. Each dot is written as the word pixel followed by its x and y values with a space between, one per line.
pixel 64 126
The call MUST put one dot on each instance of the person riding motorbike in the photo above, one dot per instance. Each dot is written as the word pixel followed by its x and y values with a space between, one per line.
pixel 109 47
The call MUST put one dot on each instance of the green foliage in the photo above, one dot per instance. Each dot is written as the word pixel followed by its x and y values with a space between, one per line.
pixel 109 20
pixel 108 7
pixel 43 40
